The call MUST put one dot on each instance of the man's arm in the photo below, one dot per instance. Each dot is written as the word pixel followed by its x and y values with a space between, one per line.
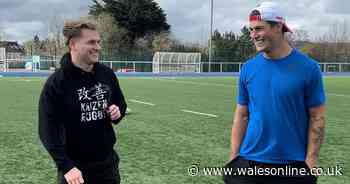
pixel 117 100
pixel 239 128
pixel 51 132
pixel 316 134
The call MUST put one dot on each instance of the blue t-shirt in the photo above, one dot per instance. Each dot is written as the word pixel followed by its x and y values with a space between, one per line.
pixel 279 93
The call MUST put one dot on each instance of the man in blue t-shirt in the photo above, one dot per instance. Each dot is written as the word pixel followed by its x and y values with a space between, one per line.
pixel 279 120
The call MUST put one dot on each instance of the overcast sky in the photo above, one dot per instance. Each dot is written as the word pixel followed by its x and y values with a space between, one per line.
pixel 189 19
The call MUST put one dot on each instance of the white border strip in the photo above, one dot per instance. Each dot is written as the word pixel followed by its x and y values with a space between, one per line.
pixel 199 113
pixel 141 102
pixel 340 95
pixel 195 83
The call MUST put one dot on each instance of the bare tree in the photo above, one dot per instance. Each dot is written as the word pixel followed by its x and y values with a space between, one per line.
pixel 162 42
pixel 56 42
pixel 298 36
pixel 2 33
pixel 114 38
pixel 334 46
pixel 338 32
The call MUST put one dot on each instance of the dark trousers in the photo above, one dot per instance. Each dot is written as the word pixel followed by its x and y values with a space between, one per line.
pixel 105 172
pixel 239 163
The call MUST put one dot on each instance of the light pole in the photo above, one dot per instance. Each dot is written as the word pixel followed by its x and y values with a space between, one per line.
pixel 211 35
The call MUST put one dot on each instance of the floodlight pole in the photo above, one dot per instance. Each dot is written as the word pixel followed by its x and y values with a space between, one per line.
pixel 211 35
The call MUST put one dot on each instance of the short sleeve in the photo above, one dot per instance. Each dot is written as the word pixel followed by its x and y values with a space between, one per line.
pixel 242 97
pixel 315 95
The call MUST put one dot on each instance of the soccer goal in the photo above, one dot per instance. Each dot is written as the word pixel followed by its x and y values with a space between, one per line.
pixel 3 63
pixel 176 62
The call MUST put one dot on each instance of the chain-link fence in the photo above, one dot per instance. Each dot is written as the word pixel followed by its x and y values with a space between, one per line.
pixel 33 63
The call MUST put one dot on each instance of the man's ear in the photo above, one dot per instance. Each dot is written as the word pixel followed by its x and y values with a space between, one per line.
pixel 280 27
pixel 72 44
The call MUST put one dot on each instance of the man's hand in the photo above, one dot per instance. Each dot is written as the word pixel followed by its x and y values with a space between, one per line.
pixel 233 156
pixel 114 112
pixel 239 127
pixel 74 176
pixel 315 135
pixel 311 163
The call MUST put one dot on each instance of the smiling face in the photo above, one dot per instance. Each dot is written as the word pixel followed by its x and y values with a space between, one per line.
pixel 266 37
pixel 87 46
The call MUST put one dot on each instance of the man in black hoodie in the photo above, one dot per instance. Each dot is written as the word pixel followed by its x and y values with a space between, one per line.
pixel 77 107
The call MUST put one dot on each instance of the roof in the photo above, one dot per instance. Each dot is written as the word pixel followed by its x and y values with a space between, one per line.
pixel 12 46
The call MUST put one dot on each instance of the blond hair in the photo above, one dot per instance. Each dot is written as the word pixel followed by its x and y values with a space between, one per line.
pixel 72 29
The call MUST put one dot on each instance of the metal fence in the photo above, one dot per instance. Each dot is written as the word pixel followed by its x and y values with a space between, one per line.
pixel 27 64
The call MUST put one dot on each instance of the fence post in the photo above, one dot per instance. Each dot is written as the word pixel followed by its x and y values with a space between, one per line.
pixel 6 65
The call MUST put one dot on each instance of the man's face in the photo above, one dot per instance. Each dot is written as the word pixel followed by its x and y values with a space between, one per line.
pixel 87 46
pixel 264 36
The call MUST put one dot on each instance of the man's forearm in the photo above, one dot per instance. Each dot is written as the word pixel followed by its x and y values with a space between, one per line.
pixel 316 137
pixel 238 132
pixel 238 129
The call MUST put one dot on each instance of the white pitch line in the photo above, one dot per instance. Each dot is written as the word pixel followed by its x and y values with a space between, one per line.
pixel 199 113
pixel 141 102
pixel 195 83
pixel 337 120
pixel 340 95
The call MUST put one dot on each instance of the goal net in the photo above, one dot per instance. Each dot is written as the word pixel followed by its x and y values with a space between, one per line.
pixel 3 64
pixel 176 62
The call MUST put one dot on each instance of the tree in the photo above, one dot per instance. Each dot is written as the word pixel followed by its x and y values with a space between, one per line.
pixel 162 42
pixel 56 41
pixel 97 8
pixel 114 38
pixel 2 34
pixel 138 17
pixel 298 35
pixel 228 47
pixel 246 47
pixel 333 46
pixel 28 47
pixel 217 35
pixel 224 46
pixel 36 45
pixel 338 32
pixel 307 48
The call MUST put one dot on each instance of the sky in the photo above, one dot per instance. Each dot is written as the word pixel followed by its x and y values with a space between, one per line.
pixel 20 20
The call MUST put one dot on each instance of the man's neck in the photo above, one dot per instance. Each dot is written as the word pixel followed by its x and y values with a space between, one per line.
pixel 280 51
pixel 80 64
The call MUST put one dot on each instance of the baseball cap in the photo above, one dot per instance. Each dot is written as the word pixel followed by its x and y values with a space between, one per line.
pixel 269 11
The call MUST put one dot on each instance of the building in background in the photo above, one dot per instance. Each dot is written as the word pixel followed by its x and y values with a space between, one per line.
pixel 11 55
pixel 13 50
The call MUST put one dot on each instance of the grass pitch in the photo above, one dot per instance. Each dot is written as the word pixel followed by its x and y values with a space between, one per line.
pixel 173 123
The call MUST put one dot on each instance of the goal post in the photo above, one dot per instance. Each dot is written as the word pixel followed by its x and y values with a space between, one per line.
pixel 3 63
pixel 176 62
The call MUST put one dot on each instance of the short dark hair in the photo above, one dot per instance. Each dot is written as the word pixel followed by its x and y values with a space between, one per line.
pixel 274 23
pixel 72 29
pixel 271 23
pixel 255 13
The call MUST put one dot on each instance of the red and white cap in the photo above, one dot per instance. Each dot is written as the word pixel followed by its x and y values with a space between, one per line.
pixel 269 11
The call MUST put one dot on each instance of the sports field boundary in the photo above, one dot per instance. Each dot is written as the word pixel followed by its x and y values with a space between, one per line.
pixel 150 74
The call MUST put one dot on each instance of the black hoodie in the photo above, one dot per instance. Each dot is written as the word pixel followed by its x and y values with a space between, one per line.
pixel 73 124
